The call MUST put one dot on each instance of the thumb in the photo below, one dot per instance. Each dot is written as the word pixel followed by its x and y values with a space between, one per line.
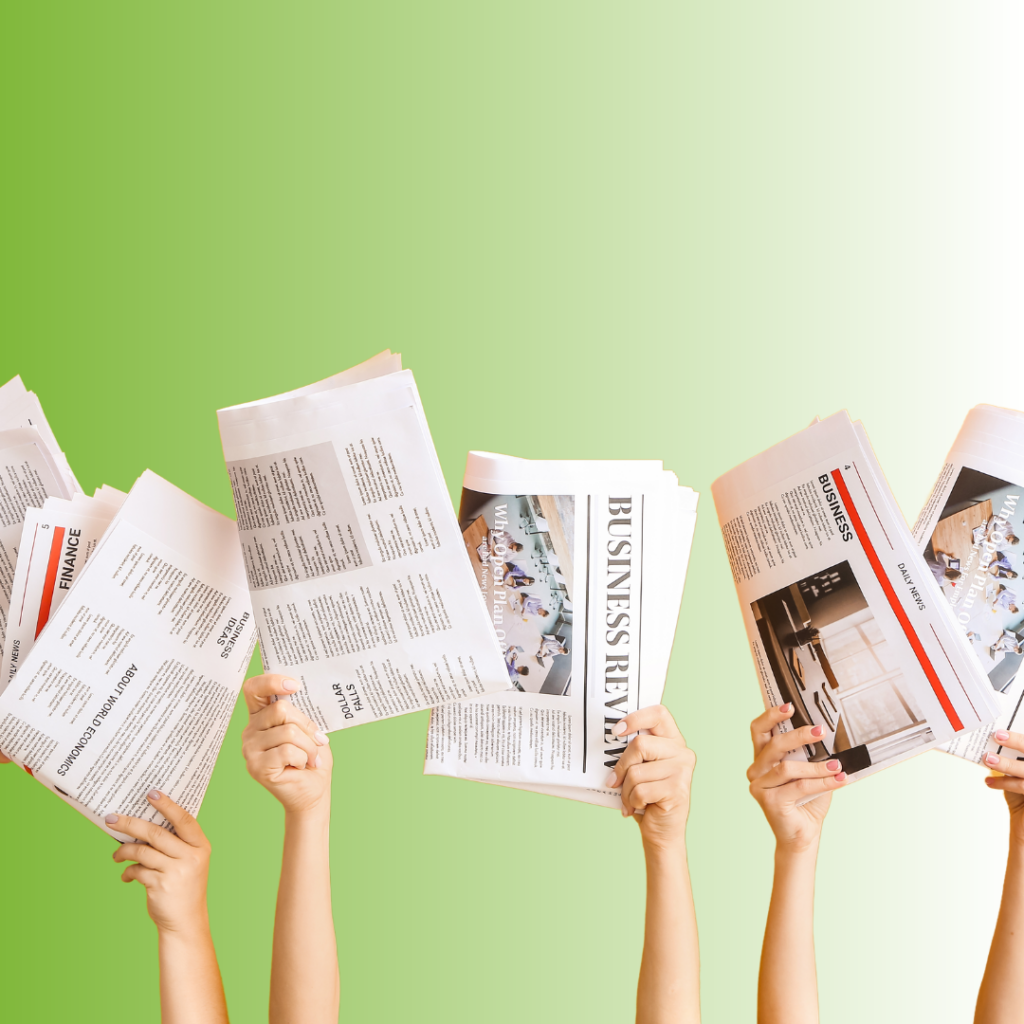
pixel 259 691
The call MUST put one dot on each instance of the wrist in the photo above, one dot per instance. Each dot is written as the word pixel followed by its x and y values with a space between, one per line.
pixel 195 928
pixel 665 851
pixel 797 851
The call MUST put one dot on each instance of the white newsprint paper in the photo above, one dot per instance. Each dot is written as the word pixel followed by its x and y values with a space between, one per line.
pixel 970 533
pixel 29 474
pixel 132 682
pixel 57 541
pixel 838 604
pixel 581 566
pixel 355 565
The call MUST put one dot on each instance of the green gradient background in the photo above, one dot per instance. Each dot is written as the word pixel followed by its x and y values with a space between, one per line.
pixel 668 230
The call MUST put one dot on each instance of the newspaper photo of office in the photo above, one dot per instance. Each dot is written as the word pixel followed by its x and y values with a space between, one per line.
pixel 831 660
pixel 521 549
pixel 975 555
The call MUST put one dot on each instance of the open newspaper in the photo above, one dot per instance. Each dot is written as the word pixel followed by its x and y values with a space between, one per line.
pixel 132 681
pixel 57 541
pixel 969 532
pixel 581 566
pixel 355 565
pixel 32 469
pixel 837 603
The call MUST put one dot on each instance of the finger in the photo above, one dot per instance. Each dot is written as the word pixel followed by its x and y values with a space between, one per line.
pixel 1013 740
pixel 157 837
pixel 267 739
pixel 648 793
pixel 1007 765
pixel 638 774
pixel 781 745
pixel 4 759
pixel 790 771
pixel 1005 783
pixel 283 712
pixel 186 827
pixel 810 788
pixel 643 748
pixel 260 691
pixel 147 856
pixel 657 720
pixel 273 763
pixel 761 728
pixel 137 873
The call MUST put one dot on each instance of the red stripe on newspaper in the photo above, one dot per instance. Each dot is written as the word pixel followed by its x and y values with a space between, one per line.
pixel 894 602
pixel 51 578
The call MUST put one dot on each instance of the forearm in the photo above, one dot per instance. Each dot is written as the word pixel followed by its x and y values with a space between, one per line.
pixel 668 991
pixel 787 989
pixel 1001 996
pixel 191 991
pixel 304 983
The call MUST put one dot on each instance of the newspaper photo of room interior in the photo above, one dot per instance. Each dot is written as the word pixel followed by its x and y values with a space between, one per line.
pixel 521 549
pixel 975 555
pixel 831 660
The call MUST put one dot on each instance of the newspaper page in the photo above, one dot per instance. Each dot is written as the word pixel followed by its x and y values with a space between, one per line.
pixel 969 532
pixel 572 560
pixel 355 565
pixel 20 407
pixel 841 620
pixel 132 682
pixel 29 474
pixel 57 540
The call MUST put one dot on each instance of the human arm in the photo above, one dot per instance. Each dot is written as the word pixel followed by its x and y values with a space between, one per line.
pixel 787 988
pixel 174 869
pixel 655 772
pixel 286 754
pixel 1001 996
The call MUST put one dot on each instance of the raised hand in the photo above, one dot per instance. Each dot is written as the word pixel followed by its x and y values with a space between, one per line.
pixel 785 789
pixel 1011 782
pixel 284 750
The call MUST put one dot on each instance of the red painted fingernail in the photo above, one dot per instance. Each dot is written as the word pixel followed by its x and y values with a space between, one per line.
pixel 786 708
pixel 1002 735
pixel 991 759
pixel 833 766
pixel 817 730
pixel 841 776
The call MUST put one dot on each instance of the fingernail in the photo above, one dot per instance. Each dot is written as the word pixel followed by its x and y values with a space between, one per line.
pixel 786 708
pixel 619 729
pixel 154 795
pixel 817 730
pixel 626 813
pixel 612 779
pixel 833 766
pixel 841 776
pixel 321 739
pixel 318 761
pixel 111 819
pixel 1002 735
pixel 289 685
pixel 991 759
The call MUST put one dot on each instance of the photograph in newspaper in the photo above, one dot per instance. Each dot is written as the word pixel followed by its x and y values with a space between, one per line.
pixel 521 549
pixel 831 661
pixel 975 555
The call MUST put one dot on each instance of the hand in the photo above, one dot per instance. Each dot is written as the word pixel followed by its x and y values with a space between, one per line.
pixel 173 868
pixel 284 750
pixel 655 773
pixel 1012 781
pixel 779 785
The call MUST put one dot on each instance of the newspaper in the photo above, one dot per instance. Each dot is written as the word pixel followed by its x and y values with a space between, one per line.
pixel 837 603
pixel 57 541
pixel 132 682
pixel 29 474
pixel 969 532
pixel 581 566
pixel 355 565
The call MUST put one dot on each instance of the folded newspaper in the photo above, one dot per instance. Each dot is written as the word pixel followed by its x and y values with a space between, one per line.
pixel 132 680
pixel 32 469
pixel 581 566
pixel 969 532
pixel 838 605
pixel 355 565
